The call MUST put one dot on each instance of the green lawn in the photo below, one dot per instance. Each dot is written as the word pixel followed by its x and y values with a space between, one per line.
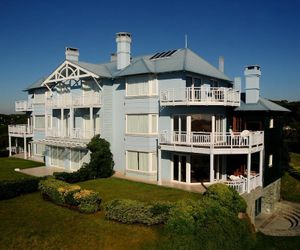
pixel 29 222
pixel 295 161
pixel 7 166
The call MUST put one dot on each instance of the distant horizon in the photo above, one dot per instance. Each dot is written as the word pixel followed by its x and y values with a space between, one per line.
pixel 34 35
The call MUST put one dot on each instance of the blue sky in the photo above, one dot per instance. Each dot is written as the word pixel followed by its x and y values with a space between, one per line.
pixel 34 34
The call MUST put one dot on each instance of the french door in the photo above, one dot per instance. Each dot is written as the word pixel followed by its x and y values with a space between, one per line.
pixel 179 168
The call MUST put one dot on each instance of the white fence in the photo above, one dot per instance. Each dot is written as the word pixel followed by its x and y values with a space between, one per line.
pixel 200 95
pixel 74 133
pixel 23 105
pixel 241 185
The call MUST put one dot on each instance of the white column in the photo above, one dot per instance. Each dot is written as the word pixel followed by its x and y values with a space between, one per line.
pixel 25 148
pixel 71 121
pixel 224 167
pixel 188 129
pixel 248 172
pixel 218 167
pixel 188 169
pixel 211 172
pixel 159 181
pixel 29 150
pixel 16 143
pixel 91 121
pixel 261 157
pixel 213 130
pixel 61 122
pixel 9 144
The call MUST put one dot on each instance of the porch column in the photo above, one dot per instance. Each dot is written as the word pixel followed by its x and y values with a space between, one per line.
pixel 248 172
pixel 91 122
pixel 188 169
pixel 261 156
pixel 213 129
pixel 9 144
pixel 71 121
pixel 29 150
pixel 159 181
pixel 62 122
pixel 16 143
pixel 224 165
pixel 25 148
pixel 211 172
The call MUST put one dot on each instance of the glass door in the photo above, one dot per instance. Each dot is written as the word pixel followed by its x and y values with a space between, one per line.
pixel 179 128
pixel 179 167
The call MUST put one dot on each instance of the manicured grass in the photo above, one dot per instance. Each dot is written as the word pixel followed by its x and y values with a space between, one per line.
pixel 7 166
pixel 290 188
pixel 295 161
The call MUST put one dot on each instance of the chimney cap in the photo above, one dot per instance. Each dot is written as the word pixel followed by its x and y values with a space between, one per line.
pixel 120 34
pixel 72 49
pixel 254 66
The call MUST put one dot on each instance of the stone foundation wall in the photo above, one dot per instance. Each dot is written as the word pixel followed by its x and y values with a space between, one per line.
pixel 250 199
pixel 271 194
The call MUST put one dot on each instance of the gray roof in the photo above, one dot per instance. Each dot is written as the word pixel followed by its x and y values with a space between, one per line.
pixel 262 105
pixel 181 60
pixel 37 84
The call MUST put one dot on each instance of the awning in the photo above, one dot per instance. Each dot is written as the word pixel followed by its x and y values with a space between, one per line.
pixel 65 143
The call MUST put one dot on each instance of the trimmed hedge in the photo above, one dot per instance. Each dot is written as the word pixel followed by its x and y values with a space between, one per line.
pixel 80 175
pixel 71 196
pixel 131 211
pixel 12 188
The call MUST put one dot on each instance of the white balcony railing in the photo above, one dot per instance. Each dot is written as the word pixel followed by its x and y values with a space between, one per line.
pixel 241 185
pixel 20 129
pixel 69 100
pixel 23 105
pixel 200 96
pixel 214 140
pixel 73 134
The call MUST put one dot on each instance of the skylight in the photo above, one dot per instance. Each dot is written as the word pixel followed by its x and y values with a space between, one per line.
pixel 163 54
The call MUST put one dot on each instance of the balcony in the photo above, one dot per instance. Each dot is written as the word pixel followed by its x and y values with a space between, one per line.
pixel 206 142
pixel 208 96
pixel 23 105
pixel 73 134
pixel 70 100
pixel 20 130
pixel 240 185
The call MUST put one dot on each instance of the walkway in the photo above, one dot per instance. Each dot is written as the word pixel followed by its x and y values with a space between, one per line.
pixel 41 171
pixel 285 221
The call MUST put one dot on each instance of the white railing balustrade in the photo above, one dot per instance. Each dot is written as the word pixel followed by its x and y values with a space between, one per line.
pixel 23 105
pixel 20 129
pixel 68 100
pixel 241 185
pixel 216 140
pixel 76 133
pixel 200 95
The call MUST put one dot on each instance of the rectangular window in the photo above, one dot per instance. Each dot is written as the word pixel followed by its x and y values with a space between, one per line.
pixel 141 124
pixel 39 149
pixel 138 161
pixel 271 125
pixel 270 161
pixel 39 122
pixel 141 86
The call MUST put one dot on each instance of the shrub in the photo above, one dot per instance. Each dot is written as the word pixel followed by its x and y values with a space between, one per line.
pixel 131 211
pixel 227 197
pixel 57 190
pixel 4 153
pixel 80 175
pixel 64 194
pixel 13 188
pixel 88 201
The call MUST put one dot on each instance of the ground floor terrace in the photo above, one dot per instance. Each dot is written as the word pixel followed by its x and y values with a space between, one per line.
pixel 243 172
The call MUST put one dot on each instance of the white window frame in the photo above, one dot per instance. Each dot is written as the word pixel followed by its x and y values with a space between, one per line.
pixel 271 123
pixel 151 82
pixel 34 123
pixel 150 162
pixel 150 132
pixel 35 150
pixel 270 164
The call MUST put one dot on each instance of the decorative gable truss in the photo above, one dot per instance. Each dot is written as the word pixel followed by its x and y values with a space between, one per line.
pixel 69 71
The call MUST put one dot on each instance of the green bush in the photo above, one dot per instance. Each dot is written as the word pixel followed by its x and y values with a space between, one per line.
pixel 88 201
pixel 131 211
pixel 13 188
pixel 56 190
pixel 64 194
pixel 80 175
pixel 227 197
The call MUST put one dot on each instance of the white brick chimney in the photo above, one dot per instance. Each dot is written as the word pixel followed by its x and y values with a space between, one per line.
pixel 252 74
pixel 72 54
pixel 123 40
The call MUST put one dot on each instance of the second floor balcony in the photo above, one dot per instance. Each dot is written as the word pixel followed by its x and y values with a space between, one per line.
pixel 205 142
pixel 208 96
pixel 20 130
pixel 75 133
pixel 73 100
pixel 23 106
